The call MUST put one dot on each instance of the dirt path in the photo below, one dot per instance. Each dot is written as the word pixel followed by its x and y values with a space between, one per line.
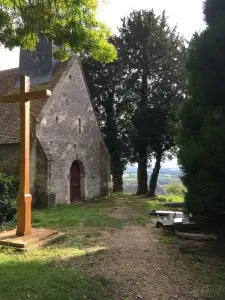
pixel 140 266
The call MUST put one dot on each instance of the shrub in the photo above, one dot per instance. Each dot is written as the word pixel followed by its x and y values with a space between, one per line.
pixel 9 187
pixel 175 188
pixel 174 198
pixel 201 139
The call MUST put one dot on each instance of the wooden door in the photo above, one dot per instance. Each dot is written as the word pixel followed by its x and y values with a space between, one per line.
pixel 75 182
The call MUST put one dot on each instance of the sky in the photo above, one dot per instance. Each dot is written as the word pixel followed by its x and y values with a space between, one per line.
pixel 185 14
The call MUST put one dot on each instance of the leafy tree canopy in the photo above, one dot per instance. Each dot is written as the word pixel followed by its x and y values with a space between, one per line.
pixel 72 25
pixel 214 10
pixel 201 138
pixel 153 55
pixel 105 82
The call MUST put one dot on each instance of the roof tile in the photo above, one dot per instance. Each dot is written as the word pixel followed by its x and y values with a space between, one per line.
pixel 9 113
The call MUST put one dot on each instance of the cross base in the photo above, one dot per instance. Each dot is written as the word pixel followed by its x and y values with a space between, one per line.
pixel 24 215
pixel 37 239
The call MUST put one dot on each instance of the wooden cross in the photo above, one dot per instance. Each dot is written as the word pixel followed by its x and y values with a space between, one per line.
pixel 24 198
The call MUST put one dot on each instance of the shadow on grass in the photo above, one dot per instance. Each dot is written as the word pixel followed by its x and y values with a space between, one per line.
pixel 209 273
pixel 205 261
pixel 36 276
pixel 167 237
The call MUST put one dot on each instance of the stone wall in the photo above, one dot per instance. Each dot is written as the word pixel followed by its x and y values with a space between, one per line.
pixel 105 170
pixel 44 182
pixel 69 126
pixel 9 160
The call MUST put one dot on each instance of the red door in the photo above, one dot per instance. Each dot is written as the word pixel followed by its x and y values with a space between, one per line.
pixel 75 182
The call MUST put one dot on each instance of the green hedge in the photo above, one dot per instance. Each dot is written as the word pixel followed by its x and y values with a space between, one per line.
pixel 9 187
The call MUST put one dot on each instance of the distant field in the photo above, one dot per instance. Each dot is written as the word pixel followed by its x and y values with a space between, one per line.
pixel 166 176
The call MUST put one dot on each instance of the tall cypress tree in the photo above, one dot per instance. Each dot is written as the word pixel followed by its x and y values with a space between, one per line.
pixel 152 54
pixel 105 85
pixel 201 136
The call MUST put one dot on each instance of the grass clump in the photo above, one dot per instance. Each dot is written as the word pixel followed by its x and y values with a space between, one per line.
pixel 175 188
pixel 174 198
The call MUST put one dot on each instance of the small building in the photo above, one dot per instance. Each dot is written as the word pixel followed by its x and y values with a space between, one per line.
pixel 69 160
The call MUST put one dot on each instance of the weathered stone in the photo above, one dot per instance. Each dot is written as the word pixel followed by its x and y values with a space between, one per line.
pixel 37 238
pixel 64 129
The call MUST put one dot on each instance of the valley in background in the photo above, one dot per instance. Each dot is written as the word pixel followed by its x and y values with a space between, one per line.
pixel 166 176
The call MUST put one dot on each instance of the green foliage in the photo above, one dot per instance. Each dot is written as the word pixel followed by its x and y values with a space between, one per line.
pixel 174 198
pixel 157 81
pixel 8 191
pixel 153 56
pixel 136 96
pixel 175 188
pixel 105 85
pixel 214 11
pixel 201 136
pixel 71 25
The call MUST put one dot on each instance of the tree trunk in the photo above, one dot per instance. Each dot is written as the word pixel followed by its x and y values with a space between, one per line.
pixel 117 183
pixel 142 176
pixel 113 144
pixel 155 175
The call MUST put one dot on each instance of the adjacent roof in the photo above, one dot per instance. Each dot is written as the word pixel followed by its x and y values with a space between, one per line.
pixel 160 191
pixel 9 113
pixel 131 188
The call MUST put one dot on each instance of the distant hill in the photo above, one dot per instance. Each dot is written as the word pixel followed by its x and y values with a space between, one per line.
pixel 166 176
pixel 134 169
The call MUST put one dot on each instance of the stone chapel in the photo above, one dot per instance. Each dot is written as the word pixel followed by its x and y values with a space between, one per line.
pixel 69 159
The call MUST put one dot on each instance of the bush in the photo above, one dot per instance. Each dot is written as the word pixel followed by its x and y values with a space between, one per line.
pixel 201 139
pixel 174 198
pixel 9 187
pixel 175 188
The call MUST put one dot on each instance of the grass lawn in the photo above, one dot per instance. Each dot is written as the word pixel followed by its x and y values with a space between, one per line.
pixel 174 198
pixel 38 275
pixel 35 275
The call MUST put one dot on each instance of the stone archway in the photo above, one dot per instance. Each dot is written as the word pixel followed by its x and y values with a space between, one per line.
pixel 77 182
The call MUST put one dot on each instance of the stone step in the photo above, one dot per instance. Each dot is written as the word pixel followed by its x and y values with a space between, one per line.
pixel 38 238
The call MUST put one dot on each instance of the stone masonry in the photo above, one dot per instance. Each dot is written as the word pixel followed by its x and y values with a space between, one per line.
pixel 64 129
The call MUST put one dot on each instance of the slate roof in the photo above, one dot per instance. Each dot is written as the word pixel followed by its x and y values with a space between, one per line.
pixel 9 113
pixel 131 188
pixel 160 191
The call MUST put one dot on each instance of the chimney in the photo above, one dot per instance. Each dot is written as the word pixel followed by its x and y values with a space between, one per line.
pixel 39 65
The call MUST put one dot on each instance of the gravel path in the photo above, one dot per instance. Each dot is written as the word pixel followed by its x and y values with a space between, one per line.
pixel 142 267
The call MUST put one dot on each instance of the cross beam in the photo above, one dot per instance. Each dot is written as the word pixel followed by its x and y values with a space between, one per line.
pixel 29 95
pixel 24 198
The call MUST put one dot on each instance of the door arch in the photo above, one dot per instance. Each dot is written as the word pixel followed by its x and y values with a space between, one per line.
pixel 77 182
